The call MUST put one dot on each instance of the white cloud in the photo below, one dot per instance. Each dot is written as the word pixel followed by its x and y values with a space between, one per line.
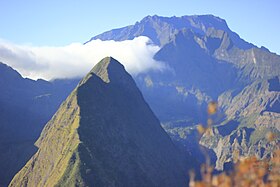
pixel 76 59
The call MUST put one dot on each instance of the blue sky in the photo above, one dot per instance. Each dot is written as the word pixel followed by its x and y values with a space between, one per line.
pixel 61 22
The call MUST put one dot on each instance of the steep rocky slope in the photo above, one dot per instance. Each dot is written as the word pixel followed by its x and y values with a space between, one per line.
pixel 104 134
pixel 251 116
pixel 25 106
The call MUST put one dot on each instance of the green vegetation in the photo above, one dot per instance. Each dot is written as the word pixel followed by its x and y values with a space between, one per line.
pixel 61 133
pixel 72 176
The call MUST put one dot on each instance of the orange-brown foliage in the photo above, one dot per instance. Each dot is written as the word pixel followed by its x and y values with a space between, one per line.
pixel 248 172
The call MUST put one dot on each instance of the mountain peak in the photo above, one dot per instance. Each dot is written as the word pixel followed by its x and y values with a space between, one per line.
pixel 104 134
pixel 203 18
pixel 108 69
pixel 161 29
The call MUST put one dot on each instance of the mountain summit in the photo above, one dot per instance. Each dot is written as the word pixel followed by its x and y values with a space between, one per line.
pixel 104 134
pixel 162 29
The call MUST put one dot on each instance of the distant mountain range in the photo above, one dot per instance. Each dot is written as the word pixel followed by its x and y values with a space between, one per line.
pixel 162 29
pixel 207 62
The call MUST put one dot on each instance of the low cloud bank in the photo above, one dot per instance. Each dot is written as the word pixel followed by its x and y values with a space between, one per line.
pixel 76 59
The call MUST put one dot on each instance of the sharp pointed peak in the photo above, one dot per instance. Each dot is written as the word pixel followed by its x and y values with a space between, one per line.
pixel 107 69
pixel 105 63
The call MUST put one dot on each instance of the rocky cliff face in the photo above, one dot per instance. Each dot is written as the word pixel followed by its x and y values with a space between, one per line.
pixel 162 29
pixel 207 61
pixel 104 134
pixel 252 116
